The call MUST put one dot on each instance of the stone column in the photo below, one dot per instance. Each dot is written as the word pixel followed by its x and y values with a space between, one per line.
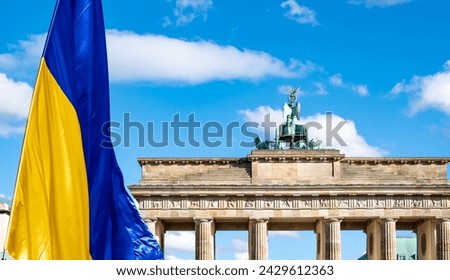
pixel 204 239
pixel 388 250
pixel 328 235
pixel 373 240
pixel 443 239
pixel 332 234
pixel 425 231
pixel 258 239
pixel 158 229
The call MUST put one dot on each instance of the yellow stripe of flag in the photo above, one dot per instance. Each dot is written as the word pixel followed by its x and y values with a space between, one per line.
pixel 51 199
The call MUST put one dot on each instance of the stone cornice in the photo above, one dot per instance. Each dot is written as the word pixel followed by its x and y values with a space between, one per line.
pixel 396 160
pixel 292 190
pixel 295 155
pixel 189 160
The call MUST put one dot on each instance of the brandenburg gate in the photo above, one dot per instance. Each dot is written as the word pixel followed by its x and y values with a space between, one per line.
pixel 291 184
pixel 320 190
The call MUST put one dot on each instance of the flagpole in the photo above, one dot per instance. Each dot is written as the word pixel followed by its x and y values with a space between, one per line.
pixel 5 212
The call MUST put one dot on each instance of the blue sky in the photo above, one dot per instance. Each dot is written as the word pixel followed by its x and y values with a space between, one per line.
pixel 383 66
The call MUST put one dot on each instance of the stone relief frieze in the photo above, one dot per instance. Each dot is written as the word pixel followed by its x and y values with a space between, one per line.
pixel 295 202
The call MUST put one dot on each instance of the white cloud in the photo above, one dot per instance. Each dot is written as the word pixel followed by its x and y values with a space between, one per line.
pixel 242 256
pixel 156 58
pixel 259 114
pixel 336 80
pixel 428 92
pixel 320 88
pixel 352 144
pixel 159 59
pixel 285 233
pixel 240 249
pixel 304 68
pixel 239 245
pixel 166 21
pixel 14 105
pixel 172 258
pixel 11 129
pixel 23 60
pixel 378 3
pixel 183 241
pixel 298 13
pixel 360 89
pixel 187 11
pixel 14 97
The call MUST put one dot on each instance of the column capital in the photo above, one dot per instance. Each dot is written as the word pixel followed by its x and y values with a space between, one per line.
pixel 388 219
pixel 443 220
pixel 332 219
pixel 150 219
pixel 201 220
pixel 258 220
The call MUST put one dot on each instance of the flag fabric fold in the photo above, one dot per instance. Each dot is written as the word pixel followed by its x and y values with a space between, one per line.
pixel 70 201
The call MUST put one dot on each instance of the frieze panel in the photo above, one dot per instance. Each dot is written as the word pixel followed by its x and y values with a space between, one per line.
pixel 379 203
pixel 286 203
pixel 342 202
pixel 194 204
pixel 417 202
pixel 157 203
pixel 269 203
pixel 399 203
pixel 295 202
pixel 249 203
pixel 360 202
pixel 212 204
pixel 324 202
pixel 174 203
pixel 437 203
pixel 306 203
pixel 231 203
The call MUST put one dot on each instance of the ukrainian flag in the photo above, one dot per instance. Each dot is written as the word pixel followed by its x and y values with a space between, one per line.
pixel 70 201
